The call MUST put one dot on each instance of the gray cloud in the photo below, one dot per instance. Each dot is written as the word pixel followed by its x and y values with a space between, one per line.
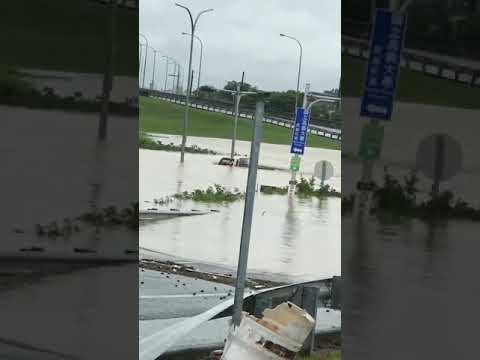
pixel 243 35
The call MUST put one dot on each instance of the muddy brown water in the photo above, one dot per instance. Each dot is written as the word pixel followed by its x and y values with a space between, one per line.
pixel 293 238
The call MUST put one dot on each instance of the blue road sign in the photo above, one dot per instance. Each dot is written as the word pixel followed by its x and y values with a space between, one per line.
pixel 300 131
pixel 383 68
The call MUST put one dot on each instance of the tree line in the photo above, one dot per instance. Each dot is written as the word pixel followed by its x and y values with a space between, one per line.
pixel 277 103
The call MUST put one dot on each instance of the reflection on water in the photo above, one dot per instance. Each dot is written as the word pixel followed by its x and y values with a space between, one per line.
pixel 78 309
pixel 291 236
pixel 64 177
pixel 411 289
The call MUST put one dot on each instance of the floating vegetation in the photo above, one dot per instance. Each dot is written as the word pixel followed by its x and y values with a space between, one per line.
pixel 145 142
pixel 112 216
pixel 347 203
pixel 306 187
pixel 400 198
pixel 164 200
pixel 213 194
pixel 108 216
pixel 273 190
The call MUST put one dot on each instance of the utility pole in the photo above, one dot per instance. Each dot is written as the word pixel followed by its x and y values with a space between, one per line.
pixel 237 96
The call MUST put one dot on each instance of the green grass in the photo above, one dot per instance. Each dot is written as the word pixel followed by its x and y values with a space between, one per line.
pixel 160 116
pixel 66 35
pixel 413 87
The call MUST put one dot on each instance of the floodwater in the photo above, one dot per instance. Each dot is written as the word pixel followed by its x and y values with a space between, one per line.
pixel 292 238
pixel 411 286
pixel 411 289
pixel 93 175
pixel 78 310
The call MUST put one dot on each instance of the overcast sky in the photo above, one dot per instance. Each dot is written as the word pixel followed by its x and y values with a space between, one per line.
pixel 243 35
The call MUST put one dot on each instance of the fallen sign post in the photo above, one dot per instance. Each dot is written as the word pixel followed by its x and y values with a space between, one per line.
pixel 247 216
pixel 378 98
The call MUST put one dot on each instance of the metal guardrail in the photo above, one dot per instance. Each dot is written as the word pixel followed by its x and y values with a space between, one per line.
pixel 334 134
pixel 439 66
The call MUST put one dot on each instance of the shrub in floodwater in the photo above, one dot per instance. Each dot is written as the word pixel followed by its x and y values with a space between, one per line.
pixel 273 190
pixel 394 196
pixel 347 203
pixel 307 187
pixel 216 193
pixel 401 199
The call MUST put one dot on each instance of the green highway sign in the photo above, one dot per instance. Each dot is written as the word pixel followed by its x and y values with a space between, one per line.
pixel 295 163
pixel 371 142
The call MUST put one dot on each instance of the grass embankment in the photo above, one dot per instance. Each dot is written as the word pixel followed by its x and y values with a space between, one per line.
pixel 67 35
pixel 413 87
pixel 160 116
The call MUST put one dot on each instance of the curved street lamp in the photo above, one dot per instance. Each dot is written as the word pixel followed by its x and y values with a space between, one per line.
pixel 145 60
pixel 193 24
pixel 201 57
pixel 299 68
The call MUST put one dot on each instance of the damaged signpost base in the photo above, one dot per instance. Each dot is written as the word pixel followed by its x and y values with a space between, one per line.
pixel 279 334
pixel 282 331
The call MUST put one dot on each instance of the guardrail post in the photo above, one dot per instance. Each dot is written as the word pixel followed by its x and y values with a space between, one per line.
pixel 310 304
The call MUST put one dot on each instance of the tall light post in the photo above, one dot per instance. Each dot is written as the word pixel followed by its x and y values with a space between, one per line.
pixel 201 57
pixel 299 68
pixel 145 60
pixel 140 46
pixel 167 59
pixel 193 25
pixel 154 61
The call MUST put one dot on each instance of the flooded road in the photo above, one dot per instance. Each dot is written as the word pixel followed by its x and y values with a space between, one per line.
pixel 412 289
pixel 64 176
pixel 78 309
pixel 294 238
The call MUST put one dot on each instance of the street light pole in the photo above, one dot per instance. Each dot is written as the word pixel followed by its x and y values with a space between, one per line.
pixel 145 60
pixel 154 61
pixel 299 68
pixel 166 73
pixel 140 46
pixel 201 57
pixel 193 25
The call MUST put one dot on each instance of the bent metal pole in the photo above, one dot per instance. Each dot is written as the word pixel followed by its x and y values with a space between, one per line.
pixel 248 215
